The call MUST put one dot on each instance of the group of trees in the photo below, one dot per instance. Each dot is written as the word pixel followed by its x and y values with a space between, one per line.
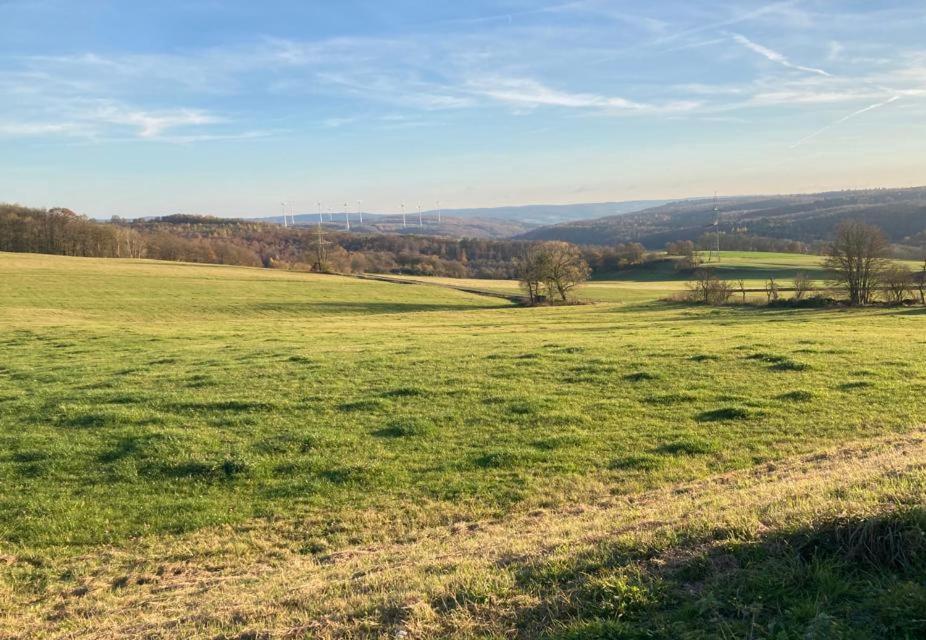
pixel 61 231
pixel 857 261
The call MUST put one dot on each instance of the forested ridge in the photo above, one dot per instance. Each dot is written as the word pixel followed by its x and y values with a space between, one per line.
pixel 206 239
pixel 794 223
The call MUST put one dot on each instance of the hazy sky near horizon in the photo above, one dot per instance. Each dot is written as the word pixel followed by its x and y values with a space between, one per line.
pixel 228 107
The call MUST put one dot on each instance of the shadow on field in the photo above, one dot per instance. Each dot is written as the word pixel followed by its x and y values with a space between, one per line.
pixel 665 272
pixel 363 308
pixel 915 311
pixel 846 577
pixel 743 312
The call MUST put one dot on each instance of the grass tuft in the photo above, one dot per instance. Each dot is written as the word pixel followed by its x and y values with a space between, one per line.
pixel 724 414
pixel 640 462
pixel 799 395
pixel 640 376
pixel 408 427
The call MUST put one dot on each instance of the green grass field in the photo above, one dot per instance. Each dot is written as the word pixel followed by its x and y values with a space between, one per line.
pixel 307 447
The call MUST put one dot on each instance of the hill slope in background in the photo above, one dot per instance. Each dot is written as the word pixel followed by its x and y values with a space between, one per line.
pixel 806 218
pixel 497 222
pixel 449 226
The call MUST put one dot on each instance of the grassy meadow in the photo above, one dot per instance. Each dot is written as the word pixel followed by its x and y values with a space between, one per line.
pixel 221 452
pixel 659 279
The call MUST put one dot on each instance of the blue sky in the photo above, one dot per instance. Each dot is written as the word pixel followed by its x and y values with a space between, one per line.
pixel 229 107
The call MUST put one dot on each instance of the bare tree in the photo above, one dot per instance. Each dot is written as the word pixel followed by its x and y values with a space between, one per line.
pixel 802 286
pixel 771 290
pixel 919 280
pixel 741 284
pixel 551 271
pixel 897 280
pixel 548 271
pixel 567 268
pixel 857 260
pixel 532 270
pixel 707 288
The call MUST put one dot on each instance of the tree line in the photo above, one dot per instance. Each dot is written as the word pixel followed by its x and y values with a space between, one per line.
pixel 858 262
pixel 206 239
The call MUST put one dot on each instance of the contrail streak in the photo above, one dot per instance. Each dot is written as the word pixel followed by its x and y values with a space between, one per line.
pixel 872 107
pixel 776 57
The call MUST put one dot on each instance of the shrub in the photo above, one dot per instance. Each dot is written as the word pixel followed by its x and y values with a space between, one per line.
pixel 707 288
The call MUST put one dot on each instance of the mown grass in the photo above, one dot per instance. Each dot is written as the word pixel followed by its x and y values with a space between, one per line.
pixel 143 401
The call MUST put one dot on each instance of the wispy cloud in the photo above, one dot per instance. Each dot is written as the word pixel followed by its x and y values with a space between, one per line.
pixel 566 56
pixel 152 124
pixel 526 92
pixel 844 119
pixel 99 119
pixel 775 56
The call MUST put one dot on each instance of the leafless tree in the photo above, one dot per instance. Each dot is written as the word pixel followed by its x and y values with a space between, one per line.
pixel 741 284
pixel 919 281
pixel 802 286
pixel 532 269
pixel 551 271
pixel 856 258
pixel 707 288
pixel 771 290
pixel 567 268
pixel 897 281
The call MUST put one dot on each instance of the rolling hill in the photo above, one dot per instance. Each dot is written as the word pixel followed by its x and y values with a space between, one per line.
pixel 448 227
pixel 806 218
pixel 489 223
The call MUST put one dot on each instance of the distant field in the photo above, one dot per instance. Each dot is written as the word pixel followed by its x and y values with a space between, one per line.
pixel 659 280
pixel 317 449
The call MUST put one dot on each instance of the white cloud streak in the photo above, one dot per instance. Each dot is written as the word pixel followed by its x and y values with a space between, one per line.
pixel 776 57
pixel 531 93
pixel 150 124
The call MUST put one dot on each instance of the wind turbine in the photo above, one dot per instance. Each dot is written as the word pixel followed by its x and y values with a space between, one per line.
pixel 346 216
pixel 419 214
pixel 438 212
pixel 283 205
pixel 360 212
pixel 319 213
pixel 403 215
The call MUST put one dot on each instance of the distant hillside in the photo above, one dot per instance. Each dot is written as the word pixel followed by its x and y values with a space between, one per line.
pixel 497 222
pixel 808 218
pixel 449 226
pixel 543 214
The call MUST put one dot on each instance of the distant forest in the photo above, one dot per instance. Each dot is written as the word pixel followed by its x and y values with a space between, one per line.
pixel 794 223
pixel 254 244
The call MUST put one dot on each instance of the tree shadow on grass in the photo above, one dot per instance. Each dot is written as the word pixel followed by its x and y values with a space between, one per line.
pixel 845 577
pixel 910 311
pixel 365 308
